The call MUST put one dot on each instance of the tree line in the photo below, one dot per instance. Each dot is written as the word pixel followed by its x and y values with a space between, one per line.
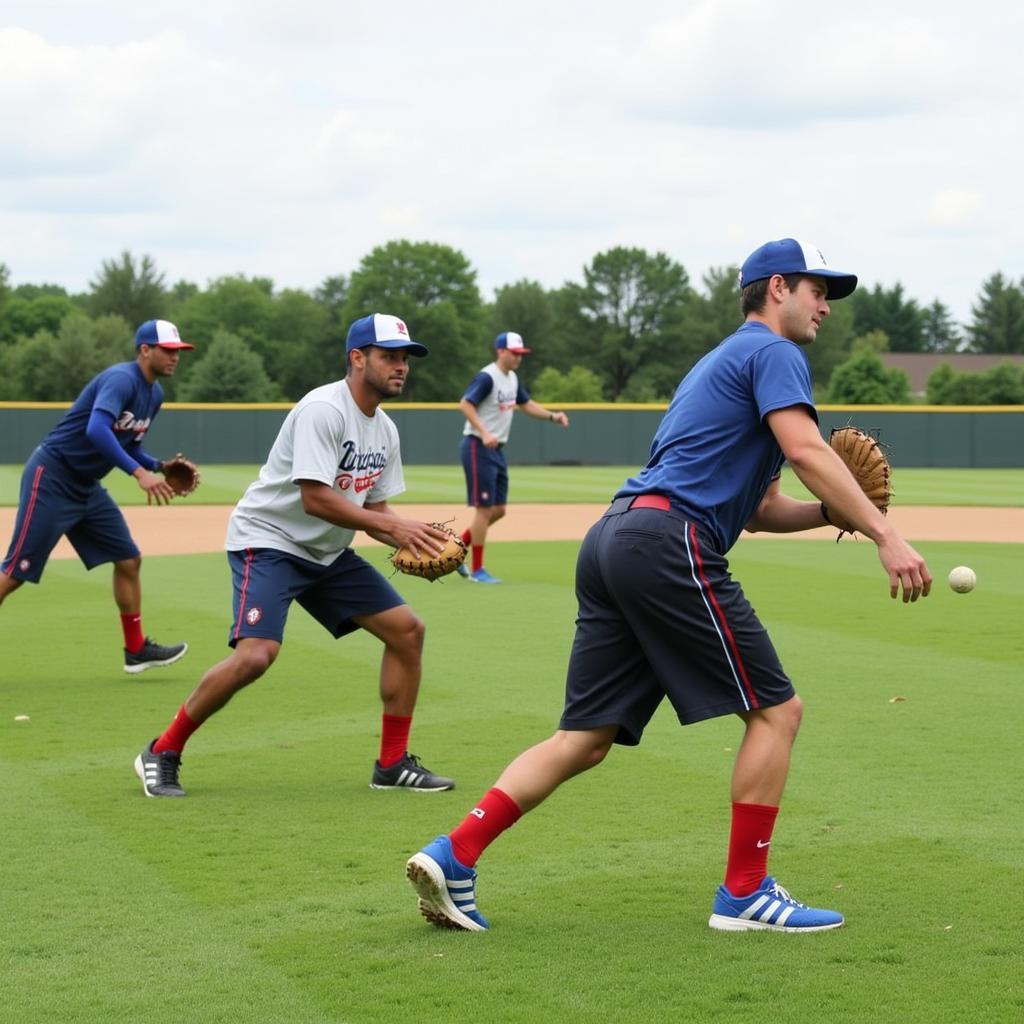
pixel 626 332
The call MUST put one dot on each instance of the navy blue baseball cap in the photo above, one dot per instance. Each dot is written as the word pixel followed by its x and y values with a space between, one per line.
pixel 513 342
pixel 384 331
pixel 159 332
pixel 791 256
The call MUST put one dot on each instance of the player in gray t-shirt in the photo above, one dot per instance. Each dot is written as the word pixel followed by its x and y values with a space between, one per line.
pixel 333 467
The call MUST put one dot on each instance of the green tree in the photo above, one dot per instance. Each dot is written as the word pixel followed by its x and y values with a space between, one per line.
pixel 629 311
pixel 998 324
pixel 131 288
pixel 1001 385
pixel 881 309
pixel 941 331
pixel 23 317
pixel 433 288
pixel 864 380
pixel 5 283
pixel 578 385
pixel 50 367
pixel 526 307
pixel 228 370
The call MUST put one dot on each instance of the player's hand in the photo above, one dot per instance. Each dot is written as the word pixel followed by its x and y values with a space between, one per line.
pixel 489 440
pixel 906 568
pixel 560 418
pixel 422 539
pixel 156 487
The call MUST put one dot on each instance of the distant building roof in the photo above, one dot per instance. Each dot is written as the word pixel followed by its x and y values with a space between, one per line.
pixel 918 366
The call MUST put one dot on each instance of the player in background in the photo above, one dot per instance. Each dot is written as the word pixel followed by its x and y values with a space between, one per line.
pixel 661 616
pixel 61 493
pixel 331 470
pixel 492 397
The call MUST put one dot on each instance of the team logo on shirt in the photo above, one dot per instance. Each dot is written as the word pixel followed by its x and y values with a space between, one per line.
pixel 359 471
pixel 126 423
pixel 253 615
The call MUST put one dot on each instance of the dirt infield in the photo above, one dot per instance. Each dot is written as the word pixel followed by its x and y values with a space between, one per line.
pixel 195 529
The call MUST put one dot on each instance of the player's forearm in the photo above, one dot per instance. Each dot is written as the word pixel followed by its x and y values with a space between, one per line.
pixel 782 514
pixel 324 503
pixel 822 472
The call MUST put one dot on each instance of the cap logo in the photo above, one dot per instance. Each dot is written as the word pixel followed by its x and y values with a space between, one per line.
pixel 401 328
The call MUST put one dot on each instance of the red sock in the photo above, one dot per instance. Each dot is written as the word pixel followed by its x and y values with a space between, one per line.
pixel 394 738
pixel 177 733
pixel 467 537
pixel 496 812
pixel 749 840
pixel 478 556
pixel 131 626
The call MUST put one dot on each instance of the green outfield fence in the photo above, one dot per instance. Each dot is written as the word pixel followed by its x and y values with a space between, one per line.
pixel 990 437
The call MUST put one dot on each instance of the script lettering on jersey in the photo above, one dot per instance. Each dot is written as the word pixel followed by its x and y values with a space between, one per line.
pixel 358 471
pixel 506 399
pixel 126 423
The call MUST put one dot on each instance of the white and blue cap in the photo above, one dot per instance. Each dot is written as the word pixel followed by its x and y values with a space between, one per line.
pixel 159 332
pixel 384 331
pixel 513 342
pixel 791 256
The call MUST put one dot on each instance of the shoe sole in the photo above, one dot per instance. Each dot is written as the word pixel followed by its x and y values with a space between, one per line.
pixel 737 924
pixel 414 789
pixel 435 904
pixel 140 770
pixel 145 665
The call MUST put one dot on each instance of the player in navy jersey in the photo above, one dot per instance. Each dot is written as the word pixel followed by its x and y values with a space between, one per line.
pixel 489 403
pixel 61 493
pixel 660 614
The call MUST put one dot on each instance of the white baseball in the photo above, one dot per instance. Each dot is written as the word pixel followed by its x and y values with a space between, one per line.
pixel 962 579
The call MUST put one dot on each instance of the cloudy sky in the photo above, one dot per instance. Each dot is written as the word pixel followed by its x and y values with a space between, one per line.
pixel 288 140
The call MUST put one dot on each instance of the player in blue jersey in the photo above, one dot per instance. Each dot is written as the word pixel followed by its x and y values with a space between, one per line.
pixel 61 493
pixel 489 403
pixel 661 616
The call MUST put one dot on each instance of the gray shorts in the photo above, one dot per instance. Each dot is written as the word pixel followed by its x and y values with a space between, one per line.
pixel 660 616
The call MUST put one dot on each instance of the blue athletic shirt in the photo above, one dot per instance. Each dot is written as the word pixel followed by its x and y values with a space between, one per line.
pixel 122 392
pixel 713 454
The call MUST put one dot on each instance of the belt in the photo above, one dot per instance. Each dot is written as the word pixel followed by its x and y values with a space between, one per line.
pixel 658 501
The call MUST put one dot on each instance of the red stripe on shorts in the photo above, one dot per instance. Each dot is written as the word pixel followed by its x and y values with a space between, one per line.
pixel 28 519
pixel 737 659
pixel 241 599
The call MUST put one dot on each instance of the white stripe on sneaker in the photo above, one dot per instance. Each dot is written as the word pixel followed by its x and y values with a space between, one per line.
pixel 753 908
pixel 772 907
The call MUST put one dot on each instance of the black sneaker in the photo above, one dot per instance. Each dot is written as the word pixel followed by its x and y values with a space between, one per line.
pixel 152 655
pixel 159 772
pixel 409 774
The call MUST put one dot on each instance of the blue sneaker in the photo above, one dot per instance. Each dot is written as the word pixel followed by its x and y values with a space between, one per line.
pixel 483 576
pixel 768 908
pixel 445 887
pixel 463 571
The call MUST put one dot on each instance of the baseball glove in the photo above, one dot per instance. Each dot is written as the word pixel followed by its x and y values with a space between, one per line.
pixel 182 474
pixel 863 457
pixel 432 567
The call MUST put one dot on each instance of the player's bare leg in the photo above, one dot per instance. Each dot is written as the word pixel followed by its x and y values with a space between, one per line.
pixel 128 585
pixel 7 586
pixel 249 660
pixel 536 773
pixel 401 666
pixel 762 764
pixel 484 517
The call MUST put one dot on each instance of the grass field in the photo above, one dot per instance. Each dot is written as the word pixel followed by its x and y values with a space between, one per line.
pixel 222 485
pixel 275 891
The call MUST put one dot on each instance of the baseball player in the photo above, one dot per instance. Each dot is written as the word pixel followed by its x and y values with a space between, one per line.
pixel 331 470
pixel 492 397
pixel 661 616
pixel 61 493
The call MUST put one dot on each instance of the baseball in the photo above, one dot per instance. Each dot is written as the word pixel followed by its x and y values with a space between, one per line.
pixel 962 579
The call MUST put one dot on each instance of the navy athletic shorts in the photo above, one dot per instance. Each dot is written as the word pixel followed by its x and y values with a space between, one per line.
pixel 660 616
pixel 54 502
pixel 266 582
pixel 486 472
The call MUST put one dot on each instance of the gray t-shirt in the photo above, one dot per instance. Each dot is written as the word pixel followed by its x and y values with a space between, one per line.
pixel 325 437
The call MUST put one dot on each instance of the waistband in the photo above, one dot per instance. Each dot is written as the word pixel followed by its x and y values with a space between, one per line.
pixel 628 501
